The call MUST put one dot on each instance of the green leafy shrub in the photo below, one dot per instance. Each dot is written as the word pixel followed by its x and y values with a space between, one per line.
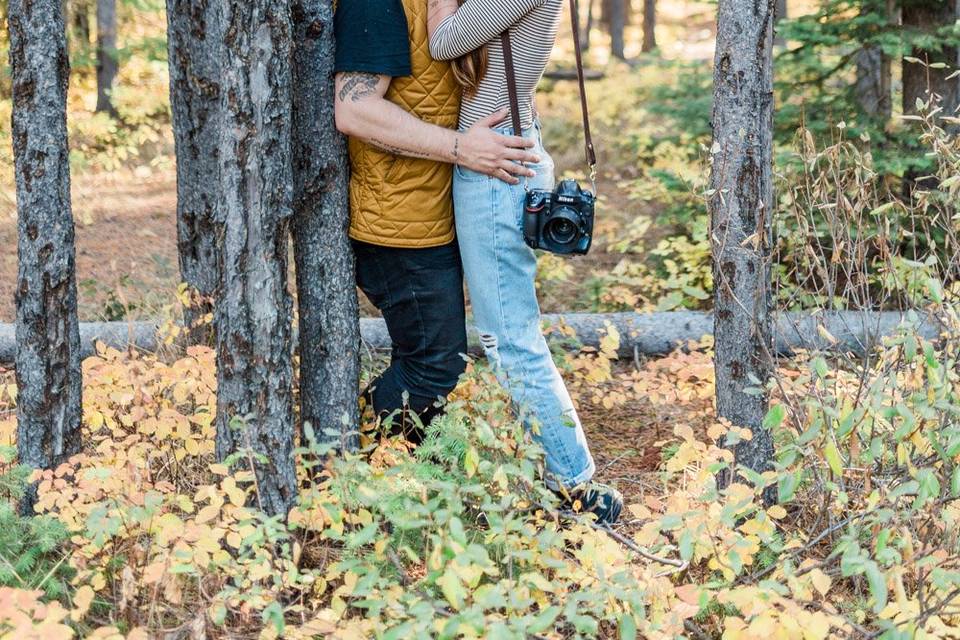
pixel 31 555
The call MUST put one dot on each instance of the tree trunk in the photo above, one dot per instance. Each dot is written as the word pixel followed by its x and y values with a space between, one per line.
pixel 615 15
pixel 649 25
pixel 194 57
pixel 48 337
pixel 585 37
pixel 873 88
pixel 106 54
pixel 780 12
pixel 741 210
pixel 253 311
pixel 326 293
pixel 929 16
pixel 80 22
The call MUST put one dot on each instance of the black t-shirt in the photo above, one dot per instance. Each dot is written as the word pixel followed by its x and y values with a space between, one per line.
pixel 372 37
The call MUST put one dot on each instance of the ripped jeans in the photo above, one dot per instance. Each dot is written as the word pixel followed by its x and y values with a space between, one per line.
pixel 500 271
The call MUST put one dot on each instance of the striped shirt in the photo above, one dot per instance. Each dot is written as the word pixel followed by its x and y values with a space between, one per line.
pixel 533 31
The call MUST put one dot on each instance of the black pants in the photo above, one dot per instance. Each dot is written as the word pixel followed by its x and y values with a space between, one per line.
pixel 420 294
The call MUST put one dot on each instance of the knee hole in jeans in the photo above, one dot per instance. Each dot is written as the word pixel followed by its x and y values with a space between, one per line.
pixel 491 347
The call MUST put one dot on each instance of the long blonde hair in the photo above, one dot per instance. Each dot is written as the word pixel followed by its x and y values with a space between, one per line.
pixel 470 69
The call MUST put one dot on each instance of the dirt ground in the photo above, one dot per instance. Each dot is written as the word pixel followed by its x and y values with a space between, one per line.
pixel 126 238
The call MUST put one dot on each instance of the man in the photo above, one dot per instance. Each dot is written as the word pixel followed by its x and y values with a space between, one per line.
pixel 400 108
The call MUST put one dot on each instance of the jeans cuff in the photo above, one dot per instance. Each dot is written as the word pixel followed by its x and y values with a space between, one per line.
pixel 555 483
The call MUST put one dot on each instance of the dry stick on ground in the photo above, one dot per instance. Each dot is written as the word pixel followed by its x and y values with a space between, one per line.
pixel 633 546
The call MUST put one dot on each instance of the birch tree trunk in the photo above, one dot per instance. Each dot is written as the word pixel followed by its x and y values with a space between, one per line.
pixel 649 25
pixel 929 16
pixel 48 337
pixel 741 208
pixel 253 312
pixel 326 293
pixel 106 54
pixel 194 57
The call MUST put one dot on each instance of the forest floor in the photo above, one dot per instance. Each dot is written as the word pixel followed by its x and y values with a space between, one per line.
pixel 126 239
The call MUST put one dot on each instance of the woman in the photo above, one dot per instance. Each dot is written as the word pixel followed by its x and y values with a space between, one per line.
pixel 498 265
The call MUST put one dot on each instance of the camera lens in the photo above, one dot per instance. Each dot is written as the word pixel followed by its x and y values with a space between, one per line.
pixel 561 230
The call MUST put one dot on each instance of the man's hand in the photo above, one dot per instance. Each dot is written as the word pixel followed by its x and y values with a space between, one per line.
pixel 485 151
pixel 363 112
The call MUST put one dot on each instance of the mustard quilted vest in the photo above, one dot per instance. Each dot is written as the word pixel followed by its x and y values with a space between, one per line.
pixel 406 202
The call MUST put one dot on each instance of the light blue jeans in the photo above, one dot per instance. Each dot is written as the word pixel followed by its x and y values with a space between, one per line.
pixel 500 270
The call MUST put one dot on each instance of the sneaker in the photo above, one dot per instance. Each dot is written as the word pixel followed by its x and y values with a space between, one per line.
pixel 601 500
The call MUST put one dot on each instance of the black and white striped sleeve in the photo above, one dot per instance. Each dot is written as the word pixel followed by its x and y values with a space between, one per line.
pixel 476 23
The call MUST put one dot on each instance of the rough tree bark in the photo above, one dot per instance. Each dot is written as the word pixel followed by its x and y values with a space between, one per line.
pixel 327 297
pixel 106 54
pixel 742 188
pixel 929 16
pixel 649 25
pixel 253 311
pixel 48 338
pixel 194 58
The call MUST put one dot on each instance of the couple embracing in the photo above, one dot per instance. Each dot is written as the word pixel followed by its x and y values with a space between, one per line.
pixel 437 190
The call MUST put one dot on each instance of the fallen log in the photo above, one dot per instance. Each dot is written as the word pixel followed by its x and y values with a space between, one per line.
pixel 571 74
pixel 648 334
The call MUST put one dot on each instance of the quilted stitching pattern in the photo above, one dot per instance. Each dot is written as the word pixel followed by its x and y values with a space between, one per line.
pixel 405 202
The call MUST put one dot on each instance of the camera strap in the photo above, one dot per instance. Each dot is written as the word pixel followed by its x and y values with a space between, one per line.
pixel 590 152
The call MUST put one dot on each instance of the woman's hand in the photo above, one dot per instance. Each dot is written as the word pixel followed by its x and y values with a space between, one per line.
pixel 438 11
pixel 485 151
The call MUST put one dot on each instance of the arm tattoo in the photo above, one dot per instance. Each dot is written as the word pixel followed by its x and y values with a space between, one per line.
pixel 398 151
pixel 358 86
pixel 456 148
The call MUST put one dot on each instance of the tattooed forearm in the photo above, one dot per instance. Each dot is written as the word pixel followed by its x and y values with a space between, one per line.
pixel 409 153
pixel 357 86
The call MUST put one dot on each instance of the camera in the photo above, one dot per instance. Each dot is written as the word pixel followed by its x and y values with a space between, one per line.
pixel 559 221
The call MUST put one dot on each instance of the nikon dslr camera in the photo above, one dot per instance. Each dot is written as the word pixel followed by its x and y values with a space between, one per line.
pixel 560 221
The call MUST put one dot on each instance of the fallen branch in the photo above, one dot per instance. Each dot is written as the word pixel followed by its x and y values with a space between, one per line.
pixel 649 334
pixel 640 551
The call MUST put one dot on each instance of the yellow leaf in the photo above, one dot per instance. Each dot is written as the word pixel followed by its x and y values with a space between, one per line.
pixel 816 627
pixel 208 514
pixel 777 512
pixel 234 539
pixel 821 581
pixel 82 600
pixel 153 572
